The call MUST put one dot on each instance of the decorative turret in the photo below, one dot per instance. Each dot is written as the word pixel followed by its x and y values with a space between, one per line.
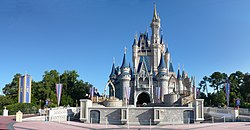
pixel 125 78
pixel 171 69
pixel 124 62
pixel 161 42
pixel 112 74
pixel 179 82
pixel 178 74
pixel 184 74
pixel 162 77
pixel 155 26
pixel 162 69
pixel 135 40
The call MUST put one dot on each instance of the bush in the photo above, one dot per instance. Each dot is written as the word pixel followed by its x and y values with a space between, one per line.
pixel 25 108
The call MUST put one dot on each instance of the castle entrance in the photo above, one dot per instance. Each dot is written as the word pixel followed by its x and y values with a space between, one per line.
pixel 143 99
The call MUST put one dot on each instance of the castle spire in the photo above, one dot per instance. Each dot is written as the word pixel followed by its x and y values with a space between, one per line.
pixel 112 71
pixel 167 51
pixel 124 62
pixel 178 73
pixel 162 63
pixel 171 68
pixel 155 16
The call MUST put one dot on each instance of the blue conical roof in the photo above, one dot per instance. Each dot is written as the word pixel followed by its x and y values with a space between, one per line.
pixel 162 62
pixel 178 74
pixel 161 42
pixel 112 71
pixel 171 69
pixel 167 50
pixel 124 62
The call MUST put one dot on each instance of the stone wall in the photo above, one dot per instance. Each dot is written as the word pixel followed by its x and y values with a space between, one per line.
pixel 141 115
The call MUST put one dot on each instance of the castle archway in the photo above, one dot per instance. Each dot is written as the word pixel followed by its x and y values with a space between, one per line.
pixel 142 99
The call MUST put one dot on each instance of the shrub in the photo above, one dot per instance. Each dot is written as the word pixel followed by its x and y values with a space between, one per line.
pixel 25 108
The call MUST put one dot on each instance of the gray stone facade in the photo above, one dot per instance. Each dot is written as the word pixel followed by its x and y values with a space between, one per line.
pixel 142 115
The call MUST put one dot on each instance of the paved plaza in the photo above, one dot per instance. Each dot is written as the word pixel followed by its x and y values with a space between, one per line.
pixel 8 123
pixel 82 126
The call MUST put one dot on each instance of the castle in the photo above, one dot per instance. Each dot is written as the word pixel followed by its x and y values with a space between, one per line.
pixel 147 92
pixel 152 75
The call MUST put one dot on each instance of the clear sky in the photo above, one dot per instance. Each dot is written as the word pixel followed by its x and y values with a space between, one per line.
pixel 84 35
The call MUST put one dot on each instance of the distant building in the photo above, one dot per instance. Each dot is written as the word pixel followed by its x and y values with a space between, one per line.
pixel 24 91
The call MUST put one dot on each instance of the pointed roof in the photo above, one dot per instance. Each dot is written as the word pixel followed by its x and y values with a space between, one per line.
pixel 183 73
pixel 112 71
pixel 155 16
pixel 171 68
pixel 161 41
pixel 167 51
pixel 162 62
pixel 179 74
pixel 135 39
pixel 144 61
pixel 124 62
pixel 135 42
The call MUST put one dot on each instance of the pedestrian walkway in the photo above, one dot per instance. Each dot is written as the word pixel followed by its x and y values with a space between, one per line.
pixel 5 120
pixel 9 123
pixel 85 126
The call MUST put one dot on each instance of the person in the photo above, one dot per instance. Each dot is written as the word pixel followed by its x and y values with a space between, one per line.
pixel 96 93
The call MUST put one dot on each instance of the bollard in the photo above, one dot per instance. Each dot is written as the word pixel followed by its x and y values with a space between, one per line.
pixel 106 122
pixel 150 124
pixel 188 120
pixel 224 119
pixel 212 119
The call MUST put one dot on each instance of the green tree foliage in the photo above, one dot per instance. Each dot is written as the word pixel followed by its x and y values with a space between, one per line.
pixel 11 89
pixel 239 88
pixel 73 90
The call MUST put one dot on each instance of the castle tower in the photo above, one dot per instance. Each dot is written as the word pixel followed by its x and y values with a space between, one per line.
pixel 24 91
pixel 125 78
pixel 157 45
pixel 162 78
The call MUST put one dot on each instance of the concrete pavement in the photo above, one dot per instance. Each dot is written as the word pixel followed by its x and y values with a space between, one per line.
pixel 9 123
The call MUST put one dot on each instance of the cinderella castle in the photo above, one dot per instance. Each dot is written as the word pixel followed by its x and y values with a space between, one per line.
pixel 149 91
pixel 152 75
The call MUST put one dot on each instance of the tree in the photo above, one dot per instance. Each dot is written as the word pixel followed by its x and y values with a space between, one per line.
pixel 236 82
pixel 217 80
pixel 11 89
pixel 203 84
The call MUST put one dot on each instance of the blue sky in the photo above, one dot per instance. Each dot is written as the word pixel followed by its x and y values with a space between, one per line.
pixel 84 35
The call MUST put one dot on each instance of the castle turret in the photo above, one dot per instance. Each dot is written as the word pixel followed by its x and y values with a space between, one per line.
pixel 171 68
pixel 125 78
pixel 162 78
pixel 156 46
pixel 179 82
pixel 155 26
pixel 167 57
pixel 112 74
